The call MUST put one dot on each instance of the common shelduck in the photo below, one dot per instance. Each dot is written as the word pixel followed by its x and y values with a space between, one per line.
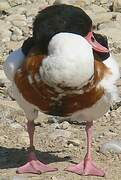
pixel 61 76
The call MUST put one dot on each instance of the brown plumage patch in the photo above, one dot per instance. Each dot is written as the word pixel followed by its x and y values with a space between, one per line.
pixel 47 99
pixel 101 70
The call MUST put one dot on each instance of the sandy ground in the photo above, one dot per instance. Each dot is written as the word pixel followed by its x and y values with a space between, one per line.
pixel 57 144
pixel 53 147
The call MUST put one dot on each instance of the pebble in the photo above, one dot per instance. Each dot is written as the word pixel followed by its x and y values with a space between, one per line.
pixel 16 2
pixel 55 126
pixel 74 142
pixel 17 20
pixel 53 178
pixel 117 6
pixel 3 79
pixel 72 2
pixel 52 119
pixel 64 125
pixel 16 125
pixel 97 9
pixel 101 18
pixel 16 38
pixel 4 5
pixel 79 3
pixel 70 146
pixel 111 146
pixel 16 31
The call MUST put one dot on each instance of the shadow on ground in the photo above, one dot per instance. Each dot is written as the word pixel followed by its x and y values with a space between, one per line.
pixel 13 157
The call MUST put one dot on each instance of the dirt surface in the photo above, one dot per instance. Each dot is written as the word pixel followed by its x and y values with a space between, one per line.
pixel 57 144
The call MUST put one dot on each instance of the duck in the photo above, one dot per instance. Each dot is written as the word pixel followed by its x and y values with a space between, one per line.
pixel 62 73
pixel 49 21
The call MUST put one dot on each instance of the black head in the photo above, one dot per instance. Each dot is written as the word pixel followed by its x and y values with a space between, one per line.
pixel 104 42
pixel 59 18
pixel 27 45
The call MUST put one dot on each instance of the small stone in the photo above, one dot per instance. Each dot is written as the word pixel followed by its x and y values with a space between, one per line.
pixel 55 125
pixel 53 178
pixel 101 18
pixel 16 125
pixel 4 5
pixel 74 142
pixel 19 23
pixel 112 130
pixel 17 20
pixel 113 146
pixel 16 31
pixel 64 125
pixel 52 119
pixel 3 78
pixel 117 5
pixel 70 145
pixel 80 3
pixel 97 9
pixel 16 2
pixel 21 10
pixel 42 124
pixel 16 38
pixel 64 2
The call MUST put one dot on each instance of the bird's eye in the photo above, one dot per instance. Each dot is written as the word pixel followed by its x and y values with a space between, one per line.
pixel 93 39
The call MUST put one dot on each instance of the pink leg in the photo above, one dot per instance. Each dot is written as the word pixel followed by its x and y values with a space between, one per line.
pixel 87 166
pixel 33 165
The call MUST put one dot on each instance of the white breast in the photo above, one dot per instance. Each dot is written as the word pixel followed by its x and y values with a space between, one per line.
pixel 109 82
pixel 70 61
